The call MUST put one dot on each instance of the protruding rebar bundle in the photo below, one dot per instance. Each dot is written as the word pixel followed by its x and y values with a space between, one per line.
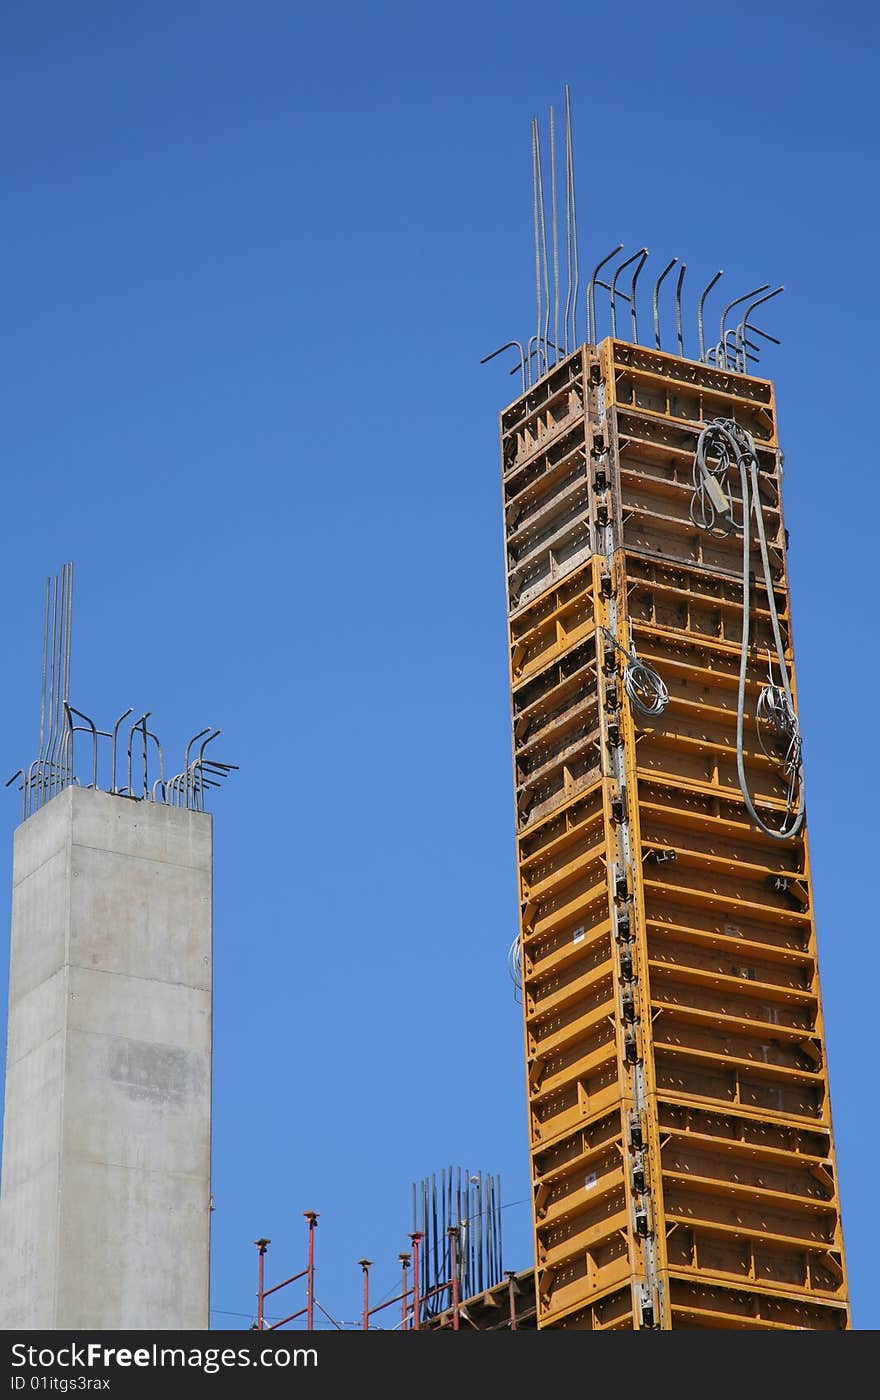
pixel 60 762
pixel 470 1205
pixel 733 351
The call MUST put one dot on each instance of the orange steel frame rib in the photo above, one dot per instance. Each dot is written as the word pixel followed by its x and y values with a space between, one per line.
pixel 681 1147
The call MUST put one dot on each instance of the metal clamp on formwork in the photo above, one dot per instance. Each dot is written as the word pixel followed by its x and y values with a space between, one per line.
pixel 647 1307
pixel 712 508
pixel 646 690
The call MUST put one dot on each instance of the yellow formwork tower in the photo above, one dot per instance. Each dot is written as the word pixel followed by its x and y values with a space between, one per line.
pixel 680 1135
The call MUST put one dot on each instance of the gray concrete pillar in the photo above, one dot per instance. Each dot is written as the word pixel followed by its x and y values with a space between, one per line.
pixel 105 1199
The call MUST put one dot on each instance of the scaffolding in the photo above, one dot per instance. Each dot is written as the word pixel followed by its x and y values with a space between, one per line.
pixel 429 1299
pixel 680 1134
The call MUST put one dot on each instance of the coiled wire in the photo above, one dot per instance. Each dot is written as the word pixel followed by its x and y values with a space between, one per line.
pixel 732 446
pixel 718 441
pixel 775 710
pixel 646 690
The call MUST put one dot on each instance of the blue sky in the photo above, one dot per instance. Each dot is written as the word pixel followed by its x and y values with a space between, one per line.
pixel 252 255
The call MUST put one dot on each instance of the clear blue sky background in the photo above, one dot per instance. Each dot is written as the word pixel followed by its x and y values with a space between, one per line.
pixel 251 256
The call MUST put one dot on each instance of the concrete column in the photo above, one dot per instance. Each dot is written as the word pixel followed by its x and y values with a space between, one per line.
pixel 105 1200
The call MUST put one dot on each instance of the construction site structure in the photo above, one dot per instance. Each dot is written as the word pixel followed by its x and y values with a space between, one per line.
pixel 442 1284
pixel 106 1197
pixel 682 1159
pixel 105 1194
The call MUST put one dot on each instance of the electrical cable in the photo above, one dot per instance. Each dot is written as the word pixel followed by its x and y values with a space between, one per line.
pixel 712 509
pixel 646 689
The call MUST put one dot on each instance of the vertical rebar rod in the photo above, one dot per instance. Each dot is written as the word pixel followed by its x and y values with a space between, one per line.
pixel 678 325
pixel 453 1251
pixel 59 687
pixel 543 220
pixel 432 1265
pixel 700 305
pixel 365 1306
pixel 574 234
pixel 490 1217
pixel 479 1193
pixel 69 774
pixel 50 737
pixel 632 297
pixel 498 1222
pixel 656 302
pixel 569 274
pixel 45 664
pixel 473 1228
pixel 592 327
pixel 537 249
pixel 262 1246
pixel 555 231
pixel 59 674
pixel 448 1219
pixel 404 1289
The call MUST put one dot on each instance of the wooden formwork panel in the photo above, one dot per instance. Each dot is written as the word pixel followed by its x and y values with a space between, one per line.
pixel 679 1119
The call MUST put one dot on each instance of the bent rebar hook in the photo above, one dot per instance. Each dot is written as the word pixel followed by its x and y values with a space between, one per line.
pixel 656 301
pixel 88 728
pixel 199 764
pixel 632 297
pixel 743 327
pixel 702 303
pixel 678 327
pixel 642 253
pixel 737 301
pixel 24 781
pixel 114 736
pixel 511 345
pixel 139 727
pixel 591 293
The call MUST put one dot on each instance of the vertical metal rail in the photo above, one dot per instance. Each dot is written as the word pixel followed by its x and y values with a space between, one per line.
pixel 415 1240
pixel 262 1246
pixel 365 1305
pixel 453 1251
pixel 308 1273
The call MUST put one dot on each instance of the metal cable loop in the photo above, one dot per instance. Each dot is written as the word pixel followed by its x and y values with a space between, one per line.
pixel 712 509
pixel 646 689
pixel 514 966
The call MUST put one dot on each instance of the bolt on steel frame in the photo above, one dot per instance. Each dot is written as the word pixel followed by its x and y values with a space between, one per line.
pixel 680 1133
